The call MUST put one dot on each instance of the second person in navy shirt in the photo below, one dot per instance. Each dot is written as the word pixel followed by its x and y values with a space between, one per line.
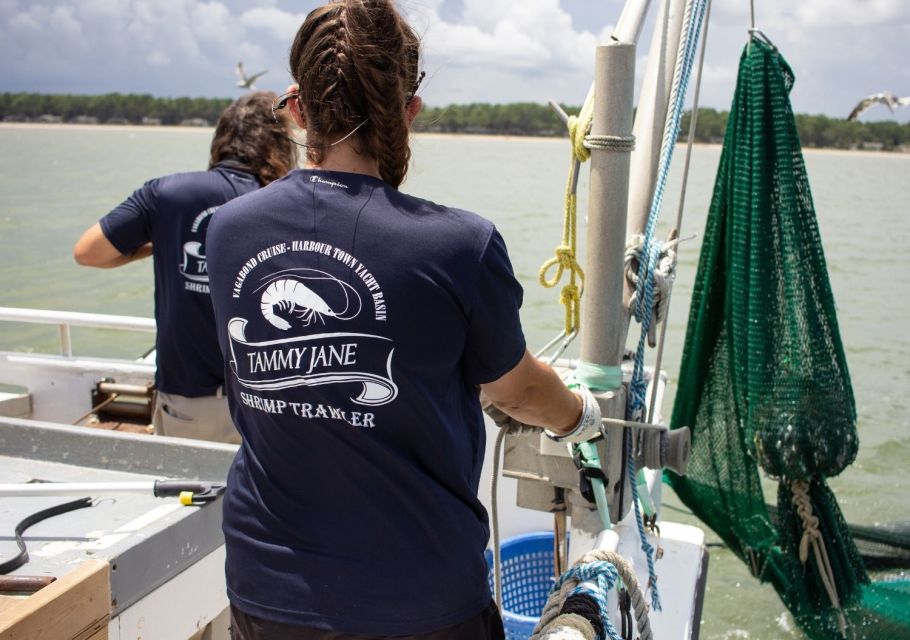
pixel 168 218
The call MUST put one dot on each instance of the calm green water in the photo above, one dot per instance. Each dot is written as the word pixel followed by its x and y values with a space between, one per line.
pixel 56 182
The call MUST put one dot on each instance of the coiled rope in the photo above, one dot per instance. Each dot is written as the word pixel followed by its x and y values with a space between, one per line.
pixel 568 626
pixel 649 257
pixel 593 575
pixel 610 143
pixel 663 275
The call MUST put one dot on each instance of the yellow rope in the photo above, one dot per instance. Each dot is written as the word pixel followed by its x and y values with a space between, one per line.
pixel 564 260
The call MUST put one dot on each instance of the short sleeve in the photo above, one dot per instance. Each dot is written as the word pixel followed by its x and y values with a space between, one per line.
pixel 128 226
pixel 495 341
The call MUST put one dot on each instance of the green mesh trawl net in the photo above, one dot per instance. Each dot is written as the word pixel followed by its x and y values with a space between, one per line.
pixel 764 381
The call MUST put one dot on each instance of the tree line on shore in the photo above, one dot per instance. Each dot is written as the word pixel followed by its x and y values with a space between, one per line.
pixel 520 119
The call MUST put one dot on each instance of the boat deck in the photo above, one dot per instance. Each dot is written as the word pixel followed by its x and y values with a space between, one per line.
pixel 146 541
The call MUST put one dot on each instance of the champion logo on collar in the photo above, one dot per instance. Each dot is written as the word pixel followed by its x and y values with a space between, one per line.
pixel 330 183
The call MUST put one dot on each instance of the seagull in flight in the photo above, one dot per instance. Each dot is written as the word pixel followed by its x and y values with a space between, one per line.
pixel 245 82
pixel 885 97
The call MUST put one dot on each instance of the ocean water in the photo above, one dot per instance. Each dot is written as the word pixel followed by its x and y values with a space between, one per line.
pixel 55 182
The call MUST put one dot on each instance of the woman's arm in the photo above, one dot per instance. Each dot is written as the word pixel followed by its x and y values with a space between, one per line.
pixel 533 394
pixel 93 249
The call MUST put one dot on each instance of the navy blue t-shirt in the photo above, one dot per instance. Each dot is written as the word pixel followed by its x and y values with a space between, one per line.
pixel 173 213
pixel 356 323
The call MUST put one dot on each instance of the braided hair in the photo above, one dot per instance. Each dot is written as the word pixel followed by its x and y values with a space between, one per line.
pixel 356 65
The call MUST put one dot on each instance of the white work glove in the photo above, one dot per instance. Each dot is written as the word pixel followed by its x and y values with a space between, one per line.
pixel 503 420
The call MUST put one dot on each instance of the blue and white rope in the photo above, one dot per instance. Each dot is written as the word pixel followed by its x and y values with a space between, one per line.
pixel 594 579
pixel 650 256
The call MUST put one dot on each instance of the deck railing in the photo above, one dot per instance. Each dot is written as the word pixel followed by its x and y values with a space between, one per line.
pixel 67 319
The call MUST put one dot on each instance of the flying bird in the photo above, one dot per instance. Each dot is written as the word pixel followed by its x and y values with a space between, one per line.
pixel 245 82
pixel 885 97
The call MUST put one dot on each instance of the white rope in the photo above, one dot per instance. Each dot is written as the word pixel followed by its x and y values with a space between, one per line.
pixel 494 516
pixel 610 143
pixel 568 626
pixel 663 276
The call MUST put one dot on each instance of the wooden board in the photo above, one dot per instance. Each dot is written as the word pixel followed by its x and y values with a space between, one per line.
pixel 76 606
pixel 8 602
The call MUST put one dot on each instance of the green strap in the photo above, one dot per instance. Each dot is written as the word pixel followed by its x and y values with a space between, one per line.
pixel 598 377
pixel 587 453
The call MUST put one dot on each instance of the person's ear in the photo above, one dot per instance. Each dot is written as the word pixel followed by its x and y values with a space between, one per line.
pixel 296 114
pixel 412 109
pixel 294 107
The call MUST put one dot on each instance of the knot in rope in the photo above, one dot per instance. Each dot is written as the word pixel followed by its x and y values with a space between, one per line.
pixel 601 572
pixel 803 504
pixel 566 257
pixel 563 260
pixel 593 575
pixel 570 295
pixel 813 537
pixel 578 130
pixel 593 579
pixel 660 268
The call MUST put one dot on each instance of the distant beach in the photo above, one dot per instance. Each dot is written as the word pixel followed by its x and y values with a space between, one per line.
pixel 59 126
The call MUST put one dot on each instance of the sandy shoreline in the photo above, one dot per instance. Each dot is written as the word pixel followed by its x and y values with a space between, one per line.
pixel 420 134
pixel 60 126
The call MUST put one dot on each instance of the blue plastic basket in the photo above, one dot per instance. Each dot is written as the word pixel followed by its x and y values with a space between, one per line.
pixel 527 577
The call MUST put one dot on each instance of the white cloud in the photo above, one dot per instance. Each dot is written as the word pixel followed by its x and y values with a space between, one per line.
pixel 25 23
pixel 177 47
pixel 62 20
pixel 719 74
pixel 532 35
pixel 159 59
pixel 278 24
pixel 851 14
pixel 475 50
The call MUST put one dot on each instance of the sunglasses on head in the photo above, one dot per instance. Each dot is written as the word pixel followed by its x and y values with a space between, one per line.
pixel 282 101
pixel 413 91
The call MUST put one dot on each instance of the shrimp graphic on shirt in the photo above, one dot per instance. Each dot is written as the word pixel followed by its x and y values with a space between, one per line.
pixel 289 296
pixel 298 302
pixel 193 266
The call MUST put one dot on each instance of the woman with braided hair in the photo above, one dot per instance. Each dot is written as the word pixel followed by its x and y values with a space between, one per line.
pixel 358 323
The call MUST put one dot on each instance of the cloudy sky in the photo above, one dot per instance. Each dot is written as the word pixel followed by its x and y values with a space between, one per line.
pixel 474 50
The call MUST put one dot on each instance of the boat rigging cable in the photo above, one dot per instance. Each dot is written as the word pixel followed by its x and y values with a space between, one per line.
pixel 650 259
pixel 677 229
pixel 650 270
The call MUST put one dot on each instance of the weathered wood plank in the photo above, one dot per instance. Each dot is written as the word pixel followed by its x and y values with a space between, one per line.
pixel 76 606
